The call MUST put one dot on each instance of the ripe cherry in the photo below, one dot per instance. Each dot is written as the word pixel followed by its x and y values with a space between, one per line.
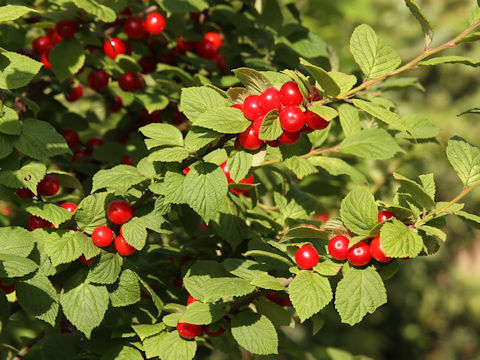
pixel 116 104
pixel 102 236
pixel 338 247
pixel 313 95
pixel 127 160
pixel 128 81
pixel 214 38
pixel 97 79
pixel 323 217
pixel 71 137
pixel 35 222
pixel 74 94
pixel 114 47
pixel 66 28
pixel 248 180
pixel 385 215
pixel 71 207
pixel 44 59
pixel 218 332
pixel 191 299
pixel 7 289
pixel 80 154
pixel 148 64
pixel 251 107
pixel 95 141
pixel 133 27
pixel 119 212
pixel 24 193
pixel 270 99
pixel 279 298
pixel 306 257
pixel 48 186
pixel 154 23
pixel 41 44
pixel 221 62
pixel 291 95
pixel 307 130
pixel 249 138
pixel 315 121
pixel 359 254
pixel 86 261
pixel 376 250
pixel 122 247
pixel 292 119
pixel 189 331
pixel 183 45
pixel 55 37
pixel 206 49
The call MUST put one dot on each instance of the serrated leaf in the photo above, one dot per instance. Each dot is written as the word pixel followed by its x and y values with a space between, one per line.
pixel 9 123
pixel 155 298
pixel 237 95
pixel 327 83
pixel 309 293
pixel 336 166
pixel 183 6
pixel 327 268
pixel 126 352
pixel 359 211
pixel 434 231
pixel 196 100
pixel 358 293
pixel 349 119
pixel 382 114
pixel 107 269
pixel 86 246
pixel 318 137
pixel 67 58
pixel 172 347
pixel 135 233
pixel 163 134
pixel 14 12
pixel 6 146
pixel 255 333
pixel 239 164
pixel 398 241
pixel 197 138
pixel 416 191
pixel 471 219
pixel 344 81
pixel 169 154
pixel 202 314
pixel 266 281
pixel 452 59
pixel 50 212
pixel 424 23
pixel 173 188
pixel 372 54
pixel 91 212
pixel 254 81
pixel 271 129
pixel 12 266
pixel 301 167
pixel 16 241
pixel 17 70
pixel 465 159
pixel 120 177
pixel 217 288
pixel 224 120
pixel 420 127
pixel 126 291
pixel 61 247
pixel 27 176
pixel 85 306
pixel 325 112
pixel 274 312
pixel 200 272
pixel 103 12
pixel 145 330
pixel 152 101
pixel 370 143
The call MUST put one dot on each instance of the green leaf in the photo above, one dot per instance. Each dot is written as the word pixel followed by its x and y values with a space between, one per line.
pixel 129 64
pixel 239 164
pixel 183 6
pixel 100 11
pixel 6 146
pixel 205 189
pixel 225 120
pixel 162 134
pixel 420 127
pixel 370 143
pixel 326 82
pixel 398 241
pixel 349 119
pixel 86 246
pixel 271 129
pixel 16 241
pixel 318 137
pixel 27 176
pixel 38 298
pixel 301 167
pixel 372 54
pixel 266 281
pixel 107 269
pixel 39 140
pixel 155 298
pixel 254 81
pixel 200 272
pixel 327 268
pixel 50 212
pixel 197 138
pixel 274 312
pixel 91 212
pixel 217 288
pixel 85 306
pixel 358 293
pixel 169 154
pixel 152 101
pixel 135 233
pixel 195 101
pixel 452 59
pixel 336 166
pixel 255 333
pixel 9 122
pixel 470 219
pixel 416 191
pixel 309 293
pixel 145 330
pixel 14 12
pixel 173 188
pixel 17 70
pixel 465 159
pixel 172 347
pixel 344 81
pixel 15 266
pixel 67 58
pixel 359 211
pixel 325 112
pixel 125 352
pixel 434 231
pixel 308 45
pixel 423 21
pixel 382 114
pixel 202 314
pixel 126 291
pixel 61 246
pixel 120 178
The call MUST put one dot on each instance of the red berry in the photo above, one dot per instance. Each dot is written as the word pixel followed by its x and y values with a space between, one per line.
pixel 71 137
pixel 7 289
pixel 291 95
pixel 133 27
pixel 191 299
pixel 122 247
pixel 376 250
pixel 80 153
pixel 48 186
pixel 128 81
pixel 306 257
pixel 74 94
pixel 287 138
pixel 270 99
pixel 338 247
pixel 55 37
pixel 206 49
pixel 66 28
pixel 292 119
pixel 24 193
pixel 307 130
pixel 248 180
pixel 322 217
pixel 221 62
pixel 154 23
pixel 95 141
pixel 226 171
pixel 86 261
pixel 69 206
pixel 189 331
pixel 251 107
pixel 117 104
pixel 186 171
pixel 35 222
pixel 216 333
pixel 41 44
pixel 279 298
pixel 249 138
pixel 359 254
pixel 313 95
pixel 102 236
pixel 127 160
pixel 44 59
pixel 385 215
pixel 214 38
pixel 114 47
pixel 148 64
pixel 315 121
pixel 183 46
pixel 119 212
pixel 97 79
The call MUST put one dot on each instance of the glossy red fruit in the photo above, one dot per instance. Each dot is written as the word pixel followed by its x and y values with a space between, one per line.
pixel 287 138
pixel 189 331
pixel 114 47
pixel 55 37
pixel 338 247
pixel 7 289
pixel 119 212
pixel 44 59
pixel 97 79
pixel 221 62
pixel 128 81
pixel 206 49
pixel 315 121
pixel 251 107
pixel 249 138
pixel 35 222
pixel 186 171
pixel 313 95
pixel 122 247
pixel 116 105
pixel 248 180
pixel 148 64
pixel 191 299
pixel 71 207
pixel 71 137
pixel 226 171
pixel 127 160
pixel 66 28
pixel 323 217
pixel 292 118
pixel 48 186
pixel 74 94
pixel 216 333
pixel 307 130
pixel 24 193
pixel 270 99
pixel 154 23
pixel 86 261
pixel 183 45
pixel 214 38
pixel 102 236
pixel 376 250
pixel 359 254
pixel 80 154
pixel 385 215
pixel 133 28
pixel 279 298
pixel 41 44
pixel 306 257
pixel 291 95
pixel 95 141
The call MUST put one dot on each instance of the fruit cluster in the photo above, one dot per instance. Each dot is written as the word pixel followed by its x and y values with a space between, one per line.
pixel 288 101
pixel 207 48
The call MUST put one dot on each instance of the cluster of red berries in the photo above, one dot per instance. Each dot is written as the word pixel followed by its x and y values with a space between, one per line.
pixel 293 119
pixel 207 48
pixel 48 186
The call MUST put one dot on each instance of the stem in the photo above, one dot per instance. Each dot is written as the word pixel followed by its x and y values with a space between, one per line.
pixel 304 156
pixel 24 351
pixel 411 64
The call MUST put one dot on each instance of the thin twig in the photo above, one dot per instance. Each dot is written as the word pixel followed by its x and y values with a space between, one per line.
pixel 24 351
